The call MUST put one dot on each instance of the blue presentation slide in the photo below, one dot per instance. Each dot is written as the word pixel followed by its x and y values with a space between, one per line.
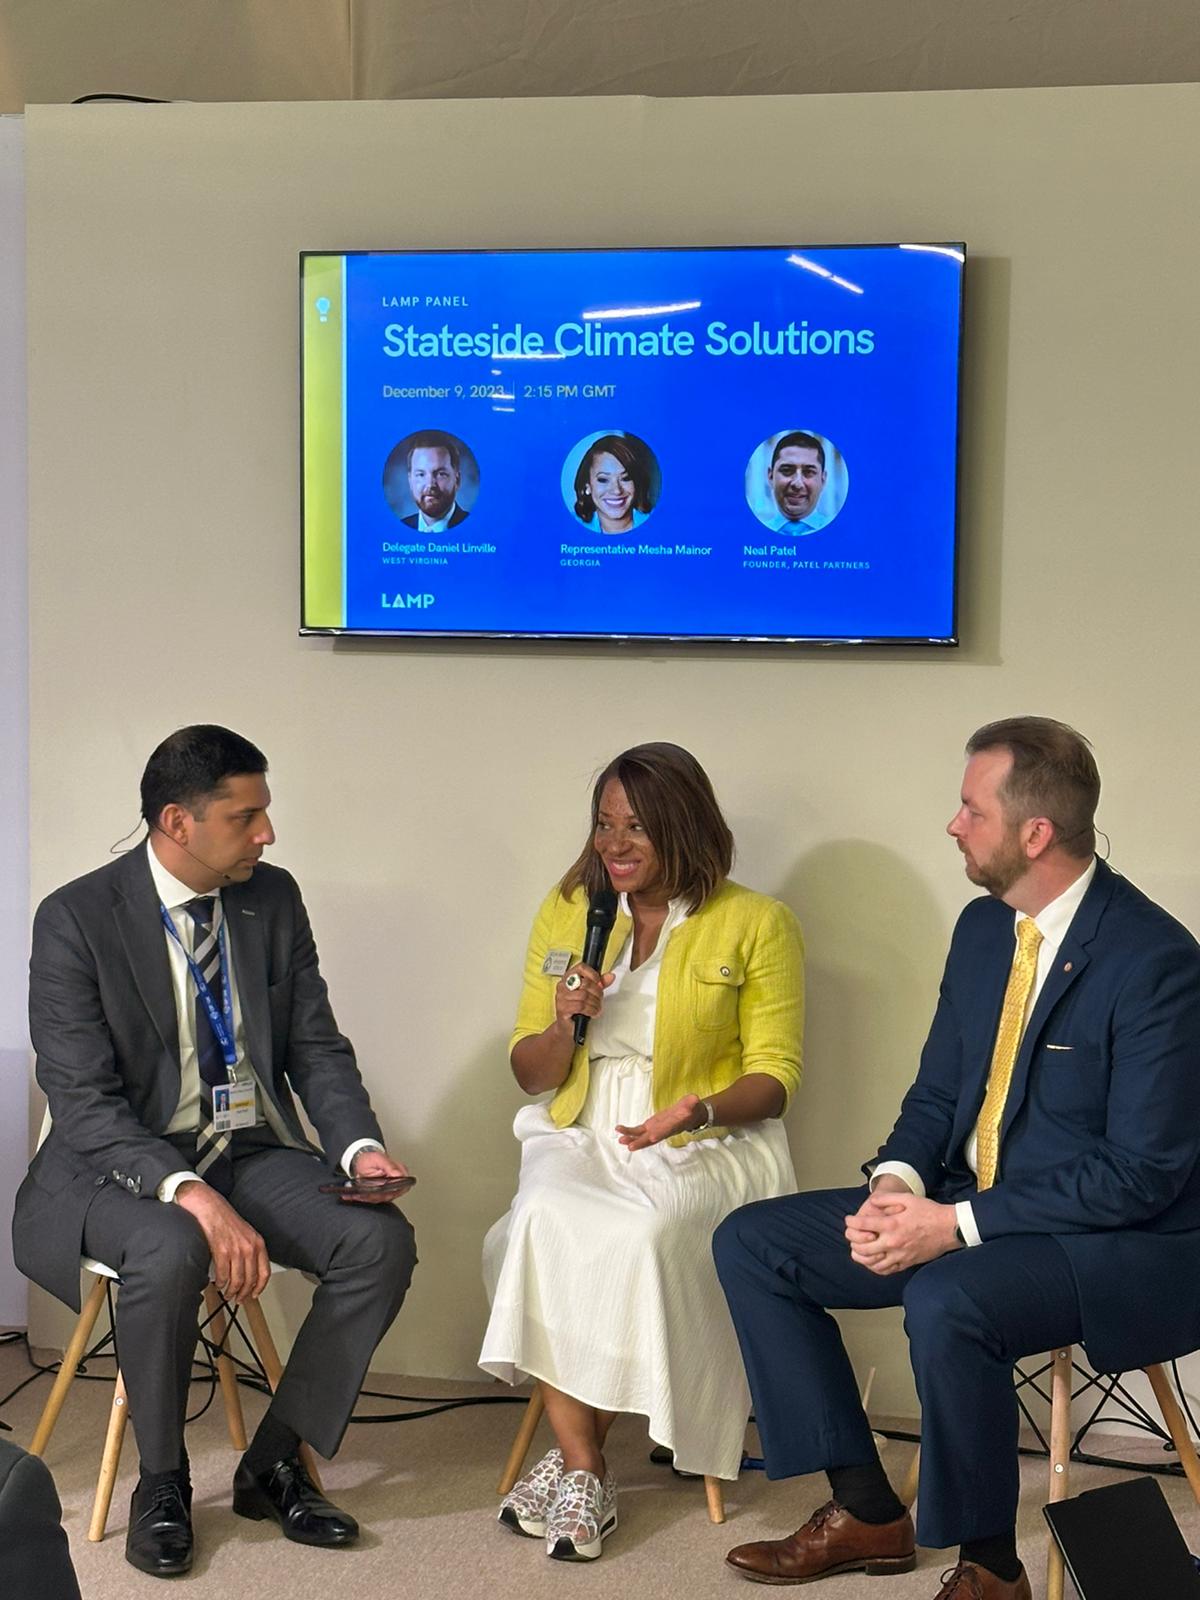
pixel 720 443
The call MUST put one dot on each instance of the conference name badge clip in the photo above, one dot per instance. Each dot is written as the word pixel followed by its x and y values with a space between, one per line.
pixel 556 963
pixel 234 1106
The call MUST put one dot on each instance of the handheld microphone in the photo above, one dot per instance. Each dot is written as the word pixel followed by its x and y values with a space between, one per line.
pixel 602 913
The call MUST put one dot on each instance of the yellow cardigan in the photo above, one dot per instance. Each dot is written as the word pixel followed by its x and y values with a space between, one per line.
pixel 730 996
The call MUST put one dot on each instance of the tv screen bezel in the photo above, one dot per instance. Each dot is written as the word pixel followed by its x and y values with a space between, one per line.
pixel 405 636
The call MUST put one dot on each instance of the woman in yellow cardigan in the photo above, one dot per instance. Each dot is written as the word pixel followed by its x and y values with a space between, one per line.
pixel 601 1274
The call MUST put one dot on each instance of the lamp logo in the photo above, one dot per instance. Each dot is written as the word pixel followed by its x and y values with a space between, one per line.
pixel 406 602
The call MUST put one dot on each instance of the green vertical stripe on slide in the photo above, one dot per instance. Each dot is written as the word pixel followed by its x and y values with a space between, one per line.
pixel 321 280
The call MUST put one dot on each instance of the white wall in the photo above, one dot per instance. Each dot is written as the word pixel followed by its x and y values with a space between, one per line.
pixel 14 720
pixel 427 796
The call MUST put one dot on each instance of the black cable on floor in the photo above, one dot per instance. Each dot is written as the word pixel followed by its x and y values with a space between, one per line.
pixel 434 1406
pixel 202 1372
pixel 251 1378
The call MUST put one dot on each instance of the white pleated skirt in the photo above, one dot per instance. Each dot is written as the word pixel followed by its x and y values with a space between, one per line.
pixel 601 1275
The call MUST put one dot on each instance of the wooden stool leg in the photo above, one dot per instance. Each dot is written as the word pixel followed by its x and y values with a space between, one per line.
pixel 520 1448
pixel 714 1493
pixel 273 1368
pixel 264 1343
pixel 1060 1459
pixel 1176 1427
pixel 908 1490
pixel 218 1325
pixel 118 1416
pixel 66 1372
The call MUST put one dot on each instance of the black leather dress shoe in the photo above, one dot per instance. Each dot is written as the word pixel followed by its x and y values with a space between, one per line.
pixel 287 1493
pixel 159 1540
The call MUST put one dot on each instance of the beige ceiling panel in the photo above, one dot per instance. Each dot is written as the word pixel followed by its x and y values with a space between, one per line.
pixel 57 50
pixel 406 48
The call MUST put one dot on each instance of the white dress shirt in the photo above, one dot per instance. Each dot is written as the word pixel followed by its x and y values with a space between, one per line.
pixel 439 525
pixel 625 1027
pixel 175 895
pixel 1052 921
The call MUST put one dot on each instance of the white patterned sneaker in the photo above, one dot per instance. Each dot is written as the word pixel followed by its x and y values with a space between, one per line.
pixel 524 1507
pixel 582 1516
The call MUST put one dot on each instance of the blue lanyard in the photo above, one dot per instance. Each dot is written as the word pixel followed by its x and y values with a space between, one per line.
pixel 221 1020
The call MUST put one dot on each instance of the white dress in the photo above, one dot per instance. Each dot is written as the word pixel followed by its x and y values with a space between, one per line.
pixel 601 1275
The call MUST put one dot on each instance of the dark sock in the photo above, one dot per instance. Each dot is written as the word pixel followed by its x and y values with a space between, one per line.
pixel 179 1474
pixel 997 1554
pixel 865 1492
pixel 271 1443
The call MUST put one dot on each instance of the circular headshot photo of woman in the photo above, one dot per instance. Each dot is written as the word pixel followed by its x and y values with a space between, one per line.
pixel 430 481
pixel 611 482
pixel 797 482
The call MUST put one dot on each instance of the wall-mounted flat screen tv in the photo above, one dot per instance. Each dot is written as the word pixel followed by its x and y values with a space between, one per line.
pixel 692 444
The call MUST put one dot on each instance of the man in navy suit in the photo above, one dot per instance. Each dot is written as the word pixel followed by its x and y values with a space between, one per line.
pixel 1040 1188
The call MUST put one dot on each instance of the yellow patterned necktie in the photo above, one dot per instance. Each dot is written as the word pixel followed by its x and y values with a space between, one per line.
pixel 1004 1052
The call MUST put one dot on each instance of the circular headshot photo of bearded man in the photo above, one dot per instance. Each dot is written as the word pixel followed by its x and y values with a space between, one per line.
pixel 797 482
pixel 430 481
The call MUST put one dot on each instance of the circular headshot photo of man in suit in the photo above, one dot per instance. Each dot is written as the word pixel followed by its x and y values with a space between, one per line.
pixel 611 482
pixel 797 482
pixel 431 480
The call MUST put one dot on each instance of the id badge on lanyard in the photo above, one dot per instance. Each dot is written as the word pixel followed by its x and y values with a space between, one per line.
pixel 234 1106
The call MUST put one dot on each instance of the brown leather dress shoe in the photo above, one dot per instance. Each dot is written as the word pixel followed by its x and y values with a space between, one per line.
pixel 969 1582
pixel 830 1541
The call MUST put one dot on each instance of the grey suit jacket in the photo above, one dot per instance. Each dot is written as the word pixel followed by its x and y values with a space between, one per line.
pixel 34 1556
pixel 103 1023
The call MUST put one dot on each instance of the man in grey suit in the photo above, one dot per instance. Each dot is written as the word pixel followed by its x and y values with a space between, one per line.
pixel 175 1005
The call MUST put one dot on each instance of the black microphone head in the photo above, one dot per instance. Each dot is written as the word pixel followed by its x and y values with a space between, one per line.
pixel 602 909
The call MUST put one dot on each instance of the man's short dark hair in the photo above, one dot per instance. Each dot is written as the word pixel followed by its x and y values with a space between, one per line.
pixel 400 456
pixel 190 767
pixel 799 441
pixel 1053 775
pixel 431 439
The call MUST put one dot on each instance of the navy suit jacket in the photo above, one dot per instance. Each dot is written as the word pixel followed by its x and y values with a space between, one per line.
pixel 1100 1139
pixel 103 1023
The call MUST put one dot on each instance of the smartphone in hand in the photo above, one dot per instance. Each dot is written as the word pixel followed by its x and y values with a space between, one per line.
pixel 377 1187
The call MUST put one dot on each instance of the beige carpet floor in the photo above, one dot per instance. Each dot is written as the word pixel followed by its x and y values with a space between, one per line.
pixel 424 1492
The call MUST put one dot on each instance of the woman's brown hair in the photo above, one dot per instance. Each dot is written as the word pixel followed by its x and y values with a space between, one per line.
pixel 670 794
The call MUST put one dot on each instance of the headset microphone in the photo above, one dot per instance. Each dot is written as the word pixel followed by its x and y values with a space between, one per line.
pixel 224 876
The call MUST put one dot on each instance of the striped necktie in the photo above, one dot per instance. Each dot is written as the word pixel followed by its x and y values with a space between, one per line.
pixel 212 1148
pixel 1004 1052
